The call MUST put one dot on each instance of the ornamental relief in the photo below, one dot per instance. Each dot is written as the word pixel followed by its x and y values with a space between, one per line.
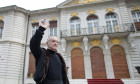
pixel 1 17
pixel 74 14
pixel 95 43
pixel 35 21
pixel 116 41
pixel 76 44
pixel 109 10
pixel 86 1
pixel 91 12
pixel 136 8
pixel 52 19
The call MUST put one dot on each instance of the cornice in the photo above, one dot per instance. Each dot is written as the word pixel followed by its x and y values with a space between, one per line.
pixel 61 6
pixel 14 8
pixel 47 10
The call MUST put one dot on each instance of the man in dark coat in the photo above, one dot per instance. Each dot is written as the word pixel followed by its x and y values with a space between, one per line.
pixel 50 65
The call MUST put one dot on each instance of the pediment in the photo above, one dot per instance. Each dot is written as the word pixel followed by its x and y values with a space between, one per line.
pixel 69 3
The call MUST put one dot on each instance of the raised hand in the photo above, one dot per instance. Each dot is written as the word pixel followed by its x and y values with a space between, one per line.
pixel 43 24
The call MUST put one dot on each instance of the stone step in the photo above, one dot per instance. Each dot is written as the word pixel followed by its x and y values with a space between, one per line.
pixel 105 81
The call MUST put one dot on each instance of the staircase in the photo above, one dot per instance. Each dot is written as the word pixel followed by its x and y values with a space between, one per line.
pixel 105 81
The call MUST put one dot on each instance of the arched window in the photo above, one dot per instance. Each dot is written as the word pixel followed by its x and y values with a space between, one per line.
pixel 136 16
pixel 1 28
pixel 75 26
pixel 112 22
pixel 93 26
pixel 136 19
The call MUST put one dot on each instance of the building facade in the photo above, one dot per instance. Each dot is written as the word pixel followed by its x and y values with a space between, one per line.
pixel 99 39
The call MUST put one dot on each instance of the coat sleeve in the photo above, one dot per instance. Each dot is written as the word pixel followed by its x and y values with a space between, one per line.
pixel 36 41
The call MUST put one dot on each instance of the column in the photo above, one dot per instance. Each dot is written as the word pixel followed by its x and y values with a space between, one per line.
pixel 107 58
pixel 87 61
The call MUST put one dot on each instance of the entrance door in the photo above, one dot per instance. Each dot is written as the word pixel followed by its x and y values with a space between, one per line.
pixel 77 63
pixel 97 63
pixel 119 62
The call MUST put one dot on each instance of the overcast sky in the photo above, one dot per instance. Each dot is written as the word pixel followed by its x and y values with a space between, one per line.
pixel 31 4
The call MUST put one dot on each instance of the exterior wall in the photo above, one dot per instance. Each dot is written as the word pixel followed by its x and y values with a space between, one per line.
pixel 13 46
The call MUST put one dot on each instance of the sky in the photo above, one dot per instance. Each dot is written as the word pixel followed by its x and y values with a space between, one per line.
pixel 31 4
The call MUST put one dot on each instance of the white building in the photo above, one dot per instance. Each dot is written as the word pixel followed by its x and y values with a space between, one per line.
pixel 98 39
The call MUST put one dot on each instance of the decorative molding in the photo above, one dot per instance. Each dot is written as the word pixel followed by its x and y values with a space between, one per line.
pixel 35 21
pixel 52 19
pixel 131 40
pixel 86 1
pixel 109 10
pixel 91 12
pixel 116 41
pixel 85 41
pixel 1 17
pixel 76 44
pixel 136 8
pixel 74 14
pixel 105 41
pixel 95 42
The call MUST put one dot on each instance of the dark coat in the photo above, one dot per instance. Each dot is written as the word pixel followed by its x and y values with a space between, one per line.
pixel 42 58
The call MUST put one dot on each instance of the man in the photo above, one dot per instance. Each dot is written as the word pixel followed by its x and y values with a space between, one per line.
pixel 50 65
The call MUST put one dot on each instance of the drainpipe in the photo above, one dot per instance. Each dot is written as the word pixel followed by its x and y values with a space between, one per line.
pixel 25 47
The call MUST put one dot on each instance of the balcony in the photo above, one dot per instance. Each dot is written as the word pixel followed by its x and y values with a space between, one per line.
pixel 129 27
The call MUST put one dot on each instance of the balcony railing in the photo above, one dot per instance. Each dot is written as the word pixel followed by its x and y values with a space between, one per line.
pixel 129 27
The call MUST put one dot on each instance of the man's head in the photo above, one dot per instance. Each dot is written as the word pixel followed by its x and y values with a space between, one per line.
pixel 52 43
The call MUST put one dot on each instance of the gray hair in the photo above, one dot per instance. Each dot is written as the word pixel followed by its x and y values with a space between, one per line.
pixel 49 38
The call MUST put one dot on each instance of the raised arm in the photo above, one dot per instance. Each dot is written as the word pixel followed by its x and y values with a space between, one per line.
pixel 36 40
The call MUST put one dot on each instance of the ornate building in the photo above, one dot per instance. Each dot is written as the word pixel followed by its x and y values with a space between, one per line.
pixel 99 39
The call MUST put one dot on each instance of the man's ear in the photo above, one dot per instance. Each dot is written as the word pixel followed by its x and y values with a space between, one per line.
pixel 46 43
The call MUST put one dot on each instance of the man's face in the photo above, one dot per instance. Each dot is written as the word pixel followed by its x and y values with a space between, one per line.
pixel 52 43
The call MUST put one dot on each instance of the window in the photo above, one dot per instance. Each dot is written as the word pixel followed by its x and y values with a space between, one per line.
pixel 35 26
pixel 53 28
pixel 1 28
pixel 93 26
pixel 75 26
pixel 136 16
pixel 112 23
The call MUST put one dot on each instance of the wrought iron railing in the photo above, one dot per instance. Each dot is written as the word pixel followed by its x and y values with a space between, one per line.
pixel 129 27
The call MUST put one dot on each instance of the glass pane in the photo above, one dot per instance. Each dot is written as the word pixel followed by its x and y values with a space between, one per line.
pixel 113 16
pixel 90 30
pixel 138 13
pixel 55 31
pixel 78 29
pixel 1 32
pixel 72 29
pixel 51 31
pixel 133 15
pixel 75 21
pixel 33 32
pixel 107 17
pixel 97 27
pixel 108 23
pixel 135 20
pixel 115 22
pixel 109 27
